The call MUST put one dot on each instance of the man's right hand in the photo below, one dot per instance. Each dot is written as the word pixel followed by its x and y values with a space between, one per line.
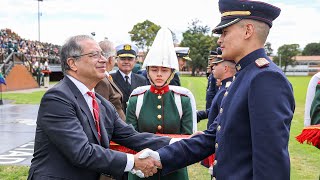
pixel 149 166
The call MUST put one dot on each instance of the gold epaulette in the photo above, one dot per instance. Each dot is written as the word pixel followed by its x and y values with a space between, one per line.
pixel 262 62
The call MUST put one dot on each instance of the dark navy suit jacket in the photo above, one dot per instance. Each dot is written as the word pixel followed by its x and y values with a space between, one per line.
pixel 251 133
pixel 66 141
pixel 136 81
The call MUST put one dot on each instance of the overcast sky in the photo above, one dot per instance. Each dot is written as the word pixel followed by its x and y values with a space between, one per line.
pixel 297 23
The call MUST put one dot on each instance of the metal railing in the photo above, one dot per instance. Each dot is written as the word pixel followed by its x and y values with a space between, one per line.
pixel 7 64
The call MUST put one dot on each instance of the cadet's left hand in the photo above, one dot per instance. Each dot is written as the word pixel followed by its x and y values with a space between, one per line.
pixel 196 133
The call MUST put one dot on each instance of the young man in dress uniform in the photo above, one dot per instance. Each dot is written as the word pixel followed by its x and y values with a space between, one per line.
pixel 224 70
pixel 251 132
pixel 212 87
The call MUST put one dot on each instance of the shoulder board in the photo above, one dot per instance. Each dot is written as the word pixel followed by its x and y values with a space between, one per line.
pixel 140 90
pixel 228 84
pixel 179 93
pixel 262 62
pixel 137 94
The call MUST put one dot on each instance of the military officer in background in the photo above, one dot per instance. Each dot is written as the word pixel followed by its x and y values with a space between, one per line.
pixel 212 87
pixel 124 78
pixel 224 70
pixel 183 56
pixel 251 131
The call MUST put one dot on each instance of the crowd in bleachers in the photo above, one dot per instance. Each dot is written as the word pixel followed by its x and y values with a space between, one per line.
pixel 32 50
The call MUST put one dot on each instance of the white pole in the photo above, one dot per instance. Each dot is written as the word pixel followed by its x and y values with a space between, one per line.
pixel 280 61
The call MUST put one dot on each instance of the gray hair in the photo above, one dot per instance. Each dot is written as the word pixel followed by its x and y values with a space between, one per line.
pixel 108 48
pixel 71 48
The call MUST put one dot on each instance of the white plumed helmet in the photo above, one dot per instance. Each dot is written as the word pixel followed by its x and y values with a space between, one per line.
pixel 162 52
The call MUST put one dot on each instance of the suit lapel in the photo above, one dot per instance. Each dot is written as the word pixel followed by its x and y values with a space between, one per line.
pixel 133 81
pixel 115 87
pixel 83 105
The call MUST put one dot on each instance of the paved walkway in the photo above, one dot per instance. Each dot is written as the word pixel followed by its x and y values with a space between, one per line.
pixel 30 90
pixel 17 129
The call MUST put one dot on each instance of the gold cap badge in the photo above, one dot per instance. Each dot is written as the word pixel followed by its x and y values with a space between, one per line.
pixel 127 47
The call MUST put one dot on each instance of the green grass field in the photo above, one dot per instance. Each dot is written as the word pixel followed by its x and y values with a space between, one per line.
pixel 305 159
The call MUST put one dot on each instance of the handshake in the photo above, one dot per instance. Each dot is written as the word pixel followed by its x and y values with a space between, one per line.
pixel 146 163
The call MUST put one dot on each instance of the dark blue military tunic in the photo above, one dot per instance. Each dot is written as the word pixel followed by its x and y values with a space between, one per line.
pixel 251 133
pixel 216 102
pixel 211 90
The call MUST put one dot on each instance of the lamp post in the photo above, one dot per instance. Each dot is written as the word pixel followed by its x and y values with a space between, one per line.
pixel 39 14
pixel 280 61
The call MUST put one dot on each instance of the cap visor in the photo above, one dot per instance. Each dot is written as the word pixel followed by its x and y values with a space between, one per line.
pixel 223 24
pixel 187 58
pixel 126 55
pixel 218 61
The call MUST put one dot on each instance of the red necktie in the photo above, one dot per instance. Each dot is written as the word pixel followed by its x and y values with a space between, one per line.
pixel 96 110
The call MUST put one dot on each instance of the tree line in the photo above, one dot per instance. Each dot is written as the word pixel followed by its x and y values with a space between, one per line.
pixel 200 40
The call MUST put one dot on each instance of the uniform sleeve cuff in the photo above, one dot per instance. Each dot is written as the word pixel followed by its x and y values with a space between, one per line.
pixel 173 140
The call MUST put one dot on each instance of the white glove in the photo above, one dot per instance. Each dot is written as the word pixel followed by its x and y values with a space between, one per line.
pixel 139 173
pixel 149 153
pixel 211 170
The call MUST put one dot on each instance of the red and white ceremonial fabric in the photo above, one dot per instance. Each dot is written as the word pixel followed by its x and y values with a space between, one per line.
pixel 311 134
pixel 117 147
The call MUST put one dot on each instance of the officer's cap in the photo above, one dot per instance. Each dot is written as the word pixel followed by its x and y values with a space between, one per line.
pixel 216 56
pixel 183 52
pixel 233 11
pixel 127 50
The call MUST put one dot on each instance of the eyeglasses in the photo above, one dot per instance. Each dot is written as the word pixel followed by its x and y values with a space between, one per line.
pixel 95 55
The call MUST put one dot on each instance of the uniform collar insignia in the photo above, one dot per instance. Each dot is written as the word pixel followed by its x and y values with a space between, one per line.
pixel 228 84
pixel 238 67
pixel 262 62
pixel 161 91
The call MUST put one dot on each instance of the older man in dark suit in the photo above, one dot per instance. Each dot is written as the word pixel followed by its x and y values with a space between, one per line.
pixel 124 78
pixel 75 125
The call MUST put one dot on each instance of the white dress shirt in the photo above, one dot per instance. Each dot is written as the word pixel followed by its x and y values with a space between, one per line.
pixel 124 76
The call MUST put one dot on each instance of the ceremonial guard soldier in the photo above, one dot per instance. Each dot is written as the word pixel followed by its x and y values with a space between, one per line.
pixel 160 108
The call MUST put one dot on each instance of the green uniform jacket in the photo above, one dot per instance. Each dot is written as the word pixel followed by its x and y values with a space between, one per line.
pixel 159 114
pixel 315 107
